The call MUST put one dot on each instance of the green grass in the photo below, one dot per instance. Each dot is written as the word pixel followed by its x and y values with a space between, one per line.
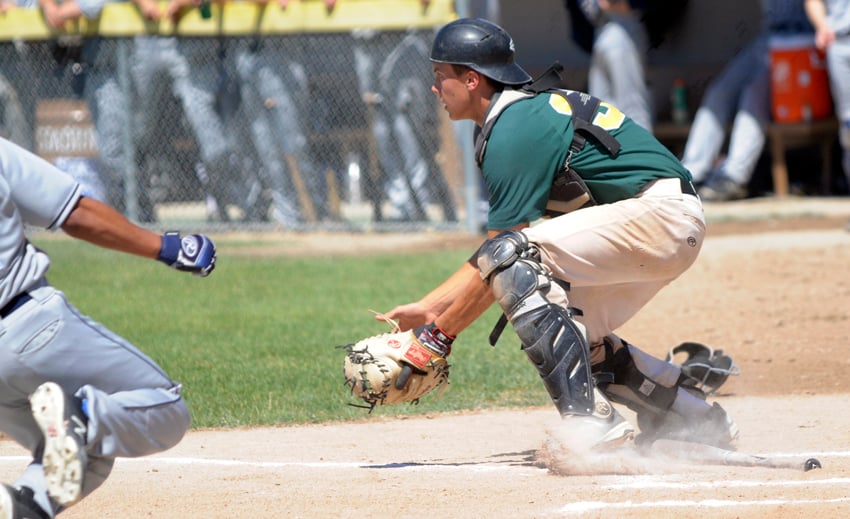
pixel 255 343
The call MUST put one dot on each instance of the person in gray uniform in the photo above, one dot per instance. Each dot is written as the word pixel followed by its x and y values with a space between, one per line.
pixel 617 70
pixel 189 69
pixel 740 93
pixel 831 20
pixel 403 119
pixel 274 94
pixel 109 101
pixel 17 91
pixel 72 392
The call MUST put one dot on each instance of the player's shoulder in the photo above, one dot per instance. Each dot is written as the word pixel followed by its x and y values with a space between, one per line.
pixel 529 115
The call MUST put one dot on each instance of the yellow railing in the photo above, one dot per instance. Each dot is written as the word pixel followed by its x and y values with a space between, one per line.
pixel 239 18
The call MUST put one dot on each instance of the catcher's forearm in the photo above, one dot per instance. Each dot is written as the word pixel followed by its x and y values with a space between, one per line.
pixel 442 297
pixel 471 301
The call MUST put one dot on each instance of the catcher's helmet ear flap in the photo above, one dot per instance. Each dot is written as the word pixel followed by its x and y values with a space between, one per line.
pixel 707 369
pixel 482 46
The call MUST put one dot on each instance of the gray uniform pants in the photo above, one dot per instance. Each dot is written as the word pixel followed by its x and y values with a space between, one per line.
pixel 617 67
pixel 110 105
pixel 134 408
pixel 187 68
pixel 838 61
pixel 742 92
pixel 17 93
pixel 274 90
pixel 403 117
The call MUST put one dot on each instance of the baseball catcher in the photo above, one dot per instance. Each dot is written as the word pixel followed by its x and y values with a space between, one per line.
pixel 397 367
pixel 589 218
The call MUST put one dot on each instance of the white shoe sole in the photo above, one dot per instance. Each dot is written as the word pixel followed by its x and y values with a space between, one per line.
pixel 618 432
pixel 63 469
pixel 618 436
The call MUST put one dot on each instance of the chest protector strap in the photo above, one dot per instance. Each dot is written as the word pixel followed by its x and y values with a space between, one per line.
pixel 569 192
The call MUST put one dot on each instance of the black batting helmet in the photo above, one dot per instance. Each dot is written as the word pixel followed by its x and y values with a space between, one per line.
pixel 482 46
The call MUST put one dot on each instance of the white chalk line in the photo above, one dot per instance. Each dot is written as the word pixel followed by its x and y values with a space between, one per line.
pixel 658 482
pixel 639 482
pixel 470 466
pixel 473 466
pixel 591 506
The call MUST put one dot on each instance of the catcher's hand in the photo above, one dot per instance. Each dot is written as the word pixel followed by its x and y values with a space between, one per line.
pixel 392 368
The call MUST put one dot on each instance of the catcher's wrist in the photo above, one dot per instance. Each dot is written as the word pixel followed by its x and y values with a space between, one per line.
pixel 435 339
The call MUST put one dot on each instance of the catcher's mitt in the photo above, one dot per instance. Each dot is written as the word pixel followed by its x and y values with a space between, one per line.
pixel 392 368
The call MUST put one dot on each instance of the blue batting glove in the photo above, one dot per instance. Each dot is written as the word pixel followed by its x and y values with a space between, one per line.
pixel 193 253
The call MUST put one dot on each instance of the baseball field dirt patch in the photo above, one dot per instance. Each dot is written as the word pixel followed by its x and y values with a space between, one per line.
pixel 775 295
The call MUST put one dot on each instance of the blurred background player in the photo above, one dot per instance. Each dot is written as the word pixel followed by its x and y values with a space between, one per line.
pixel 404 120
pixel 190 70
pixel 18 84
pixel 740 93
pixel 619 47
pixel 108 101
pixel 274 92
pixel 831 19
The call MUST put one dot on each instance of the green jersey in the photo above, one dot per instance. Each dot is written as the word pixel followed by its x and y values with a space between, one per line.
pixel 530 142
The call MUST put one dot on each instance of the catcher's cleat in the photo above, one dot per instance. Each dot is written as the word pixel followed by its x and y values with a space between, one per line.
pixel 604 429
pixel 18 503
pixel 63 423
pixel 597 434
pixel 715 428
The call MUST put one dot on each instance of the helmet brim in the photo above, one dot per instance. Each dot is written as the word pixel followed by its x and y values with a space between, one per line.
pixel 511 74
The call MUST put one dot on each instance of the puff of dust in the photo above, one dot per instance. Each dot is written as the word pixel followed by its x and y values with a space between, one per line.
pixel 564 453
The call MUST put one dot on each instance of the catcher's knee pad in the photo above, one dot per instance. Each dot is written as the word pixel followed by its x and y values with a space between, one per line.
pixel 510 265
pixel 553 341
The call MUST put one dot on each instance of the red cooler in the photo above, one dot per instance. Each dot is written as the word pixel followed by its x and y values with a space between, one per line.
pixel 799 80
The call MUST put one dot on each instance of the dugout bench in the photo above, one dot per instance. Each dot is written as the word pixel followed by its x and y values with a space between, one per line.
pixel 781 137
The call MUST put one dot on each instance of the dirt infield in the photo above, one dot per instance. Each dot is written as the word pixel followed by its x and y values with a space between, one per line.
pixel 773 293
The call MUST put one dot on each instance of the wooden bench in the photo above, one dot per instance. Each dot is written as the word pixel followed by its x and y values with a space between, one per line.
pixel 785 136
pixel 781 138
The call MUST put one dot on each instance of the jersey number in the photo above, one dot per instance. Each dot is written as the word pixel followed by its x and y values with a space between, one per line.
pixel 608 117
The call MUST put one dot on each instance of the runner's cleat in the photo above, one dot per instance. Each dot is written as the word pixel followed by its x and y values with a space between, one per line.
pixel 63 423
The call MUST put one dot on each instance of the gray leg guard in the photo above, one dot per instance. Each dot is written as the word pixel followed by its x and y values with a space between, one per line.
pixel 553 341
pixel 651 387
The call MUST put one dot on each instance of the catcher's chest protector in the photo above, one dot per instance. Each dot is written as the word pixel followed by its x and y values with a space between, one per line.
pixel 568 191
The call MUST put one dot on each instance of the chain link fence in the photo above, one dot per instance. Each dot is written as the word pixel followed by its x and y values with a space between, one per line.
pixel 301 131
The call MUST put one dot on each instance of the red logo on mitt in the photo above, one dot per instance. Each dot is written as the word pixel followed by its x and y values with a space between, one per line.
pixel 418 355
pixel 394 344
